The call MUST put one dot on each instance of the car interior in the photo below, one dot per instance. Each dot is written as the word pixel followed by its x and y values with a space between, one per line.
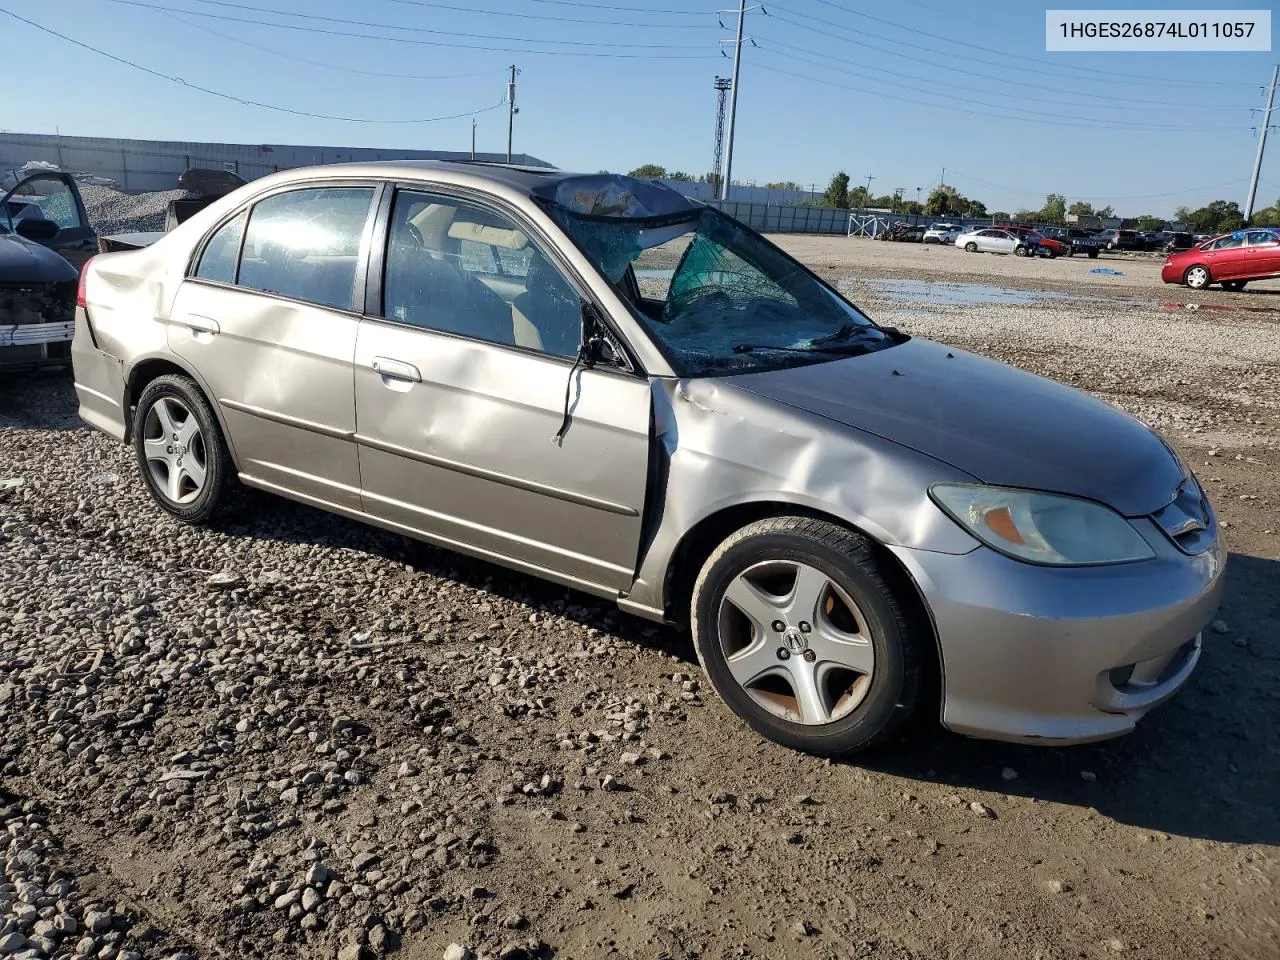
pixel 457 268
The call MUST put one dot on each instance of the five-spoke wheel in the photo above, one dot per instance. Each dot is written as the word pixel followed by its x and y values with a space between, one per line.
pixel 179 448
pixel 808 634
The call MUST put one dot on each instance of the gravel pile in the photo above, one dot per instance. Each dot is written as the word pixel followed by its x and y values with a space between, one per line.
pixel 291 736
pixel 111 211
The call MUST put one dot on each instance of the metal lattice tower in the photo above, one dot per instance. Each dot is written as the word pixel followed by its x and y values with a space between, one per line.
pixel 722 89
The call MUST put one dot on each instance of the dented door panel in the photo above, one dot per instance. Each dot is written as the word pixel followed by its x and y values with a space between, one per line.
pixel 723 447
pixel 456 441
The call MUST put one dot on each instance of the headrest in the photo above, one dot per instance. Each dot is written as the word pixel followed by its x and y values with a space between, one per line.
pixel 492 236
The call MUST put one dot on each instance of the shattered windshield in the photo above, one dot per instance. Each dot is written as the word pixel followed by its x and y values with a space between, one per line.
pixel 718 296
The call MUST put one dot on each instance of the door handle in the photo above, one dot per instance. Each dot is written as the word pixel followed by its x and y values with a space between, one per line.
pixel 201 324
pixel 396 369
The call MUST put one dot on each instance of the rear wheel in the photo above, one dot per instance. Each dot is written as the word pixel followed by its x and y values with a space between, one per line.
pixel 970 247
pixel 1233 285
pixel 1197 277
pixel 180 450
pixel 803 635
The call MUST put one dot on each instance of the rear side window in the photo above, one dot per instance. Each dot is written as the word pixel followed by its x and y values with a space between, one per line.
pixel 305 245
pixel 218 262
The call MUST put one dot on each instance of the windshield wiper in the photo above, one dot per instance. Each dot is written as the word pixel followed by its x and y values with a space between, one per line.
pixel 841 349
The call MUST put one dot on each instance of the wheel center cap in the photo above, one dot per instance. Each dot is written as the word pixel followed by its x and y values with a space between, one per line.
pixel 794 640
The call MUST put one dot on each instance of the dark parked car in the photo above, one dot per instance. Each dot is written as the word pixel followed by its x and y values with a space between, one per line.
pixel 44 237
pixel 1173 241
pixel 1115 240
pixel 1075 240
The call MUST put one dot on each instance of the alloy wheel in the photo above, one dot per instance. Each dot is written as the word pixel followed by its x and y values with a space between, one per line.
pixel 1197 277
pixel 796 642
pixel 174 448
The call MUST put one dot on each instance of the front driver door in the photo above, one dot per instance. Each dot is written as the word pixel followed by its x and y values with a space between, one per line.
pixel 461 373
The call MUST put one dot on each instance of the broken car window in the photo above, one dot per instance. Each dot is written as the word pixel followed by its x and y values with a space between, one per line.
pixel 708 284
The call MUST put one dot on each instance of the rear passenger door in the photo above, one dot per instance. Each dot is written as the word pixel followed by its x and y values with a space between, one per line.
pixel 268 319
pixel 1263 253
pixel 461 374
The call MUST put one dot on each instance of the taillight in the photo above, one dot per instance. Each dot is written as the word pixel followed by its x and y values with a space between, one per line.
pixel 84 272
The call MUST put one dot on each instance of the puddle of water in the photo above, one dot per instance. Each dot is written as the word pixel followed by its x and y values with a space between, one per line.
pixel 964 294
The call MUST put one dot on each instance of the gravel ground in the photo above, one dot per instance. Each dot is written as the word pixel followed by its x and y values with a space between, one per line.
pixel 292 736
pixel 112 211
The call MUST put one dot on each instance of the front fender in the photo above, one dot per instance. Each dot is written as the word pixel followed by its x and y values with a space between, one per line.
pixel 720 448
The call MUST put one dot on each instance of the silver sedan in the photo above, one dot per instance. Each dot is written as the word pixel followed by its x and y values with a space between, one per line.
pixel 599 382
pixel 994 240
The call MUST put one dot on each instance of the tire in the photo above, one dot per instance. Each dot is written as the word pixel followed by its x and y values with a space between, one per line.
pixel 859 693
pixel 1197 277
pixel 970 247
pixel 1093 254
pixel 180 450
pixel 1234 285
pixel 1019 251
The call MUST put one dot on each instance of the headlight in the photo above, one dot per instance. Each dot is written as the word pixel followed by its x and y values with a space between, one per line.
pixel 1042 527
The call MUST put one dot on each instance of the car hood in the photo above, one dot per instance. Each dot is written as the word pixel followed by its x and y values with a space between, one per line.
pixel 22 261
pixel 999 424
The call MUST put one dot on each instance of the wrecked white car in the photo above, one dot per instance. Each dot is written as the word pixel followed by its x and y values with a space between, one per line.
pixel 44 239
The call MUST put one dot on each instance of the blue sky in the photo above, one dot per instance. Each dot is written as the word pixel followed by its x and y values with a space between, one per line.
pixel 897 90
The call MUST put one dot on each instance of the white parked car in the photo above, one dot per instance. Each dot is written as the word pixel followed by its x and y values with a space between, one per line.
pixel 943 233
pixel 992 240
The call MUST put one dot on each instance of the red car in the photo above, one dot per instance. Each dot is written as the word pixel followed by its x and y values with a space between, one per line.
pixel 1231 260
pixel 1052 247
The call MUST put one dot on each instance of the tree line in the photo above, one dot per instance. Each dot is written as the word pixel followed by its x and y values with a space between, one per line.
pixel 1220 216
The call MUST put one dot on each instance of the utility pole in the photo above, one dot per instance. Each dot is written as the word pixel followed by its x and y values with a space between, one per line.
pixel 512 110
pixel 869 179
pixel 473 138
pixel 722 86
pixel 942 181
pixel 918 196
pixel 733 94
pixel 1262 144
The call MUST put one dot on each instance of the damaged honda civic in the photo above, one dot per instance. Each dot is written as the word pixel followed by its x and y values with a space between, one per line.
pixel 597 381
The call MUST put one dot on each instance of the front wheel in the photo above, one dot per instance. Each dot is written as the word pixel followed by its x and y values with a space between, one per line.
pixel 1093 254
pixel 970 247
pixel 1234 285
pixel 180 450
pixel 1019 251
pixel 799 628
pixel 1197 277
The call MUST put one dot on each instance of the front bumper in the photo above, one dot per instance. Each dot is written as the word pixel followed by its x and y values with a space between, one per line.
pixel 1039 654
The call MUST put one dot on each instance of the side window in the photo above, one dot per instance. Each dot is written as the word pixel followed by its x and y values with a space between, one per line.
pixel 1258 238
pixel 306 244
pixel 218 262
pixel 46 198
pixel 461 268
pixel 1230 243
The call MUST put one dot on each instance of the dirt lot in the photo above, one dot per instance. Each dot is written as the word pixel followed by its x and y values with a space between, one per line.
pixel 291 736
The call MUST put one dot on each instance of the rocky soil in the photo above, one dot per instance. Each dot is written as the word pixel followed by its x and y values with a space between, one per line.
pixel 291 736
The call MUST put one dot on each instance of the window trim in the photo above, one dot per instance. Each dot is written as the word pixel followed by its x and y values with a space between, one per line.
pixel 375 307
pixel 362 255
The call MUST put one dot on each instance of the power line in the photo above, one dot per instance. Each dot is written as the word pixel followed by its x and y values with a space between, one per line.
pixel 321 63
pixel 605 6
pixel 982 113
pixel 228 96
pixel 349 34
pixel 1012 56
pixel 406 28
pixel 843 62
pixel 546 17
